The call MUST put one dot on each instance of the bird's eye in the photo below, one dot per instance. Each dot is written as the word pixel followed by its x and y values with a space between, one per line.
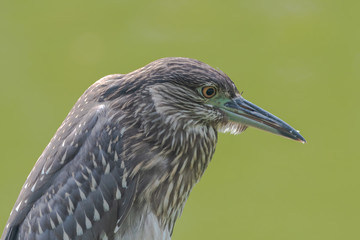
pixel 208 92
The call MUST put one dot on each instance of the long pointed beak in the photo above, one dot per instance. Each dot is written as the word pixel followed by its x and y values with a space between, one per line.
pixel 242 111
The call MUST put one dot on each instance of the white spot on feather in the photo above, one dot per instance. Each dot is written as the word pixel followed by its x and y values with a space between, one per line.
pixel 33 187
pixel 107 169
pixel 65 236
pixel 40 229
pixel 87 222
pixel 79 230
pixel 63 158
pixel 82 195
pixel 49 207
pixel 116 229
pixel 103 236
pixel 48 170
pixel 93 183
pixel 105 204
pixel 103 161
pixel 118 193
pixel 109 147
pixel 123 181
pixel 52 224
pixel 116 157
pixel 77 182
pixel 122 131
pixel 59 218
pixel 96 215
pixel 70 207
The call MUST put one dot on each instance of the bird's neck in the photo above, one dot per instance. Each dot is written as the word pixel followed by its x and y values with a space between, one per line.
pixel 176 157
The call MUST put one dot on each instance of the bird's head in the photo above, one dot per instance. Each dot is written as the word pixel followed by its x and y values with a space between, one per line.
pixel 188 93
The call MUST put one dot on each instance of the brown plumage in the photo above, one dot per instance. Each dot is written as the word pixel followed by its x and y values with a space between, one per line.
pixel 125 159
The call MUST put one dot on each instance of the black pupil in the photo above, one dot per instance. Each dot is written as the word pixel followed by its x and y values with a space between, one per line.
pixel 210 91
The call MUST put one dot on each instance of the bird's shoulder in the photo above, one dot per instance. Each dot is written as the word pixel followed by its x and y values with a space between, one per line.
pixel 80 176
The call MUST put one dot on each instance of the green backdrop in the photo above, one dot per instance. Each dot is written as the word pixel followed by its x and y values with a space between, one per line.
pixel 299 59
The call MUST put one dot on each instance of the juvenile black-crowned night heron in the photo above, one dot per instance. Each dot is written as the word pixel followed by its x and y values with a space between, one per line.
pixel 125 159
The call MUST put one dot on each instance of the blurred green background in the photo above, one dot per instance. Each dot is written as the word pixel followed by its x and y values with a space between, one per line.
pixel 299 59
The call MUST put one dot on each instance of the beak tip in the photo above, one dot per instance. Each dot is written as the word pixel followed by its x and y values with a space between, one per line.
pixel 294 135
pixel 300 139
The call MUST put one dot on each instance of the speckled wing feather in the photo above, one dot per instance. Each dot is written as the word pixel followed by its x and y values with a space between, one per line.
pixel 92 185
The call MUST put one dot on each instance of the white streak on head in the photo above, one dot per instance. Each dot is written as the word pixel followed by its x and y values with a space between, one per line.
pixel 167 195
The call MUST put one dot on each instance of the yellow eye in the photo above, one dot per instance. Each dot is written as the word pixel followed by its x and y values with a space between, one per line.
pixel 208 92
